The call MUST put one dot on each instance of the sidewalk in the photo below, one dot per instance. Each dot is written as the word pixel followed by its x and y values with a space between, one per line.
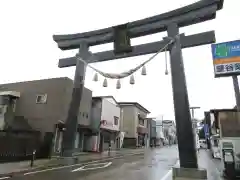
pixel 213 166
pixel 24 166
pixel 205 161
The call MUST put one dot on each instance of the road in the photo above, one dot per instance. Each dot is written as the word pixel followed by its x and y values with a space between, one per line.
pixel 154 164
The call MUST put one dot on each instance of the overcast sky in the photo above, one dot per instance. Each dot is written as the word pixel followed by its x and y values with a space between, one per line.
pixel 28 52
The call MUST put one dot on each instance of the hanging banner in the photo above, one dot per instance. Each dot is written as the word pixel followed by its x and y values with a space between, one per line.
pixel 226 58
pixel 206 130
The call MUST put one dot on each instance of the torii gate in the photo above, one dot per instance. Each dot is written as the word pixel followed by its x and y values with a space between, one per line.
pixel 201 11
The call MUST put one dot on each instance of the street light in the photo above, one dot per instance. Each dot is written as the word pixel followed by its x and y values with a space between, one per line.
pixel 194 122
pixel 192 109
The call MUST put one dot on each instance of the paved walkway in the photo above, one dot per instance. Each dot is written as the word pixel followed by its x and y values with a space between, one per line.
pixel 205 161
pixel 213 166
pixel 14 167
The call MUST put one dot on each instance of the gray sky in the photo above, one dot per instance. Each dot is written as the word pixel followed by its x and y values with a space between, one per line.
pixel 28 52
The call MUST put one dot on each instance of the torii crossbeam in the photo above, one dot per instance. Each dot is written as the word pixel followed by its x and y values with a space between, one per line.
pixel 201 11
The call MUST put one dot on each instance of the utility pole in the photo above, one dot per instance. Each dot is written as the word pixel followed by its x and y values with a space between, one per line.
pixel 236 90
pixel 192 110
pixel 194 122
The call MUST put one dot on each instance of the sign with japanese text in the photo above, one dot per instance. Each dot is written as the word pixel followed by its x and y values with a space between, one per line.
pixel 226 58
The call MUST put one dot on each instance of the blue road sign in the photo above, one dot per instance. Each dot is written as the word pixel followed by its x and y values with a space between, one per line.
pixel 226 50
pixel 226 58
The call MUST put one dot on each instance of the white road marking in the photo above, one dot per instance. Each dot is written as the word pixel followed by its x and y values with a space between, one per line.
pixel 4 177
pixel 105 165
pixel 167 175
pixel 68 166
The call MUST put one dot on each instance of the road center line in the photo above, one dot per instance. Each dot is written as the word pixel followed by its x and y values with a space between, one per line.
pixel 7 177
pixel 93 168
pixel 68 166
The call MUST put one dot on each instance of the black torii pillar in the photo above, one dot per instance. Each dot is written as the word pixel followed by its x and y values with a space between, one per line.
pixel 73 110
pixel 186 145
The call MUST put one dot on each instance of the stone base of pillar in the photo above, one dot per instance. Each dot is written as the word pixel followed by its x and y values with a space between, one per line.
pixel 68 153
pixel 188 174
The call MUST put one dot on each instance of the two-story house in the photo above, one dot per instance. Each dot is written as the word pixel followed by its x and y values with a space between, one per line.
pixel 43 105
pixel 134 124
pixel 106 115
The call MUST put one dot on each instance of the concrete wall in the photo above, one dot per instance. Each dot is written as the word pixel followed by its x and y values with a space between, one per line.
pixel 43 117
pixel 153 132
pixel 129 121
pixel 143 115
pixel 96 111
pixel 110 110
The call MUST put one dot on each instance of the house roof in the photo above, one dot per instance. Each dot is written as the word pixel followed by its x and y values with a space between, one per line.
pixel 222 110
pixel 134 104
pixel 37 80
pixel 10 93
pixel 167 121
pixel 102 97
pixel 149 119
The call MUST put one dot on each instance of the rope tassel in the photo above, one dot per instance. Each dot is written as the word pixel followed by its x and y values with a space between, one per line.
pixel 105 84
pixel 132 81
pixel 118 85
pixel 144 71
pixel 166 65
pixel 95 78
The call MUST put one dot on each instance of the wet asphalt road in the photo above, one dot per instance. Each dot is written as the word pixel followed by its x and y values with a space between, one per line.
pixel 154 164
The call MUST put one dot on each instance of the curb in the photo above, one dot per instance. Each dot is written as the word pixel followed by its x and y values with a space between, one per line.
pixel 75 161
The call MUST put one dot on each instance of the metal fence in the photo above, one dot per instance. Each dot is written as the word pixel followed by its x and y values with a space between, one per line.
pixel 18 145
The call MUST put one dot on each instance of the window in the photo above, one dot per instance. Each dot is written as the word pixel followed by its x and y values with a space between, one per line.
pixel 116 120
pixel 41 98
pixel 215 142
pixel 107 139
pixel 1 109
pixel 141 122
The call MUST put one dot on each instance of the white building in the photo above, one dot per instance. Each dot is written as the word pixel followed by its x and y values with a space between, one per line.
pixel 159 131
pixel 106 114
pixel 169 129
